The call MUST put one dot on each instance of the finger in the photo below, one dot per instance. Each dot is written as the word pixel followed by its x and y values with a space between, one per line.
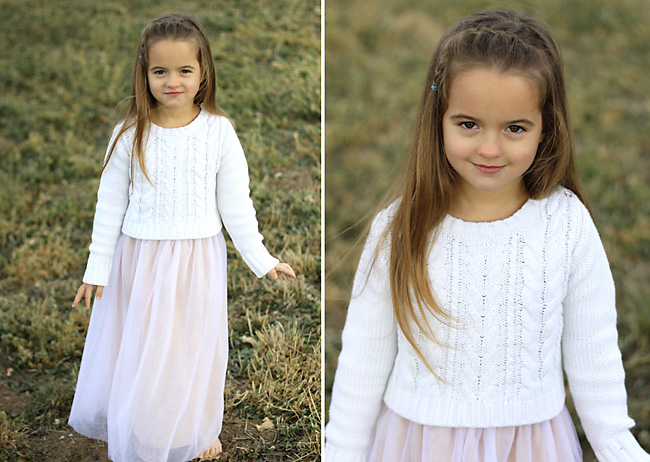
pixel 77 297
pixel 288 271
pixel 273 274
pixel 89 294
pixel 100 291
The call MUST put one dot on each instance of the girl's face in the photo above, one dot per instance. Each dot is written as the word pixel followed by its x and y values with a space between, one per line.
pixel 491 131
pixel 174 74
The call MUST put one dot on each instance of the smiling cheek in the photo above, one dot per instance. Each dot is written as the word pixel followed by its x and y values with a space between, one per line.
pixel 457 150
pixel 527 160
pixel 154 87
pixel 526 154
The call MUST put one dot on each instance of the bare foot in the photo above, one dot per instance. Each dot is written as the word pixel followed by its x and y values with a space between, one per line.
pixel 212 451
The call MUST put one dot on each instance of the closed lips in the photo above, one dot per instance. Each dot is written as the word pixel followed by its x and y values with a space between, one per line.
pixel 489 168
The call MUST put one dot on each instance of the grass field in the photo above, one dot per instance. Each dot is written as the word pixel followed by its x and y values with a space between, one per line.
pixel 64 68
pixel 376 56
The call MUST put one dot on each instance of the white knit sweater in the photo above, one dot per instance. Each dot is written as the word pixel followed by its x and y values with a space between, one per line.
pixel 200 178
pixel 529 294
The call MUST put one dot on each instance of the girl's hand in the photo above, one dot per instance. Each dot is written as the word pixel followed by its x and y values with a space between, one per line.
pixel 280 270
pixel 86 291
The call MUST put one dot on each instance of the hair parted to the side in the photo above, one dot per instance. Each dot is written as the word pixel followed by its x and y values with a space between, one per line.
pixel 141 103
pixel 508 42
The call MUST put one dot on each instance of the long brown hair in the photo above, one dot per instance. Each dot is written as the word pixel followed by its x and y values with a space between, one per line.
pixel 141 103
pixel 507 42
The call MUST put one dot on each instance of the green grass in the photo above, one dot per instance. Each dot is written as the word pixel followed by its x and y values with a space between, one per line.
pixel 377 54
pixel 64 68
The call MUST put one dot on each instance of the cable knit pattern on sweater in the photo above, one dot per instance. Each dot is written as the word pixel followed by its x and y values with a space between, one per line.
pixel 526 295
pixel 199 179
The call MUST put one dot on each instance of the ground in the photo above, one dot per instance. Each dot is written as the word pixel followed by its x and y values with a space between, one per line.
pixel 243 440
pixel 240 441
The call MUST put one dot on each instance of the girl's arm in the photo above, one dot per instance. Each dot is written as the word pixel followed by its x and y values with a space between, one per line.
pixel 366 360
pixel 592 359
pixel 236 207
pixel 112 201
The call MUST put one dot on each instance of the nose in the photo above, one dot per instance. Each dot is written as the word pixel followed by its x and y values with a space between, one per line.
pixel 489 147
pixel 173 82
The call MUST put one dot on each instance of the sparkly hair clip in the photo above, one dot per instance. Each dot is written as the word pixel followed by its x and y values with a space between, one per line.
pixel 434 88
pixel 139 56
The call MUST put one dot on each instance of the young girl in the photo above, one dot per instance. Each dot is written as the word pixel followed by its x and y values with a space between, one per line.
pixel 153 369
pixel 485 277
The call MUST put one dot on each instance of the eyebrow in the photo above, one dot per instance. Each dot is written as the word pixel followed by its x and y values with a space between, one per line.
pixel 511 122
pixel 180 67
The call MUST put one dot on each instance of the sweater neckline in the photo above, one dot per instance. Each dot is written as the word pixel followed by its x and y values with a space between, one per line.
pixel 190 126
pixel 527 215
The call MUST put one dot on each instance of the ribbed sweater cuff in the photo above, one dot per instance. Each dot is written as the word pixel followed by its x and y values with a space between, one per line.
pixel 623 447
pixel 334 454
pixel 98 270
pixel 259 260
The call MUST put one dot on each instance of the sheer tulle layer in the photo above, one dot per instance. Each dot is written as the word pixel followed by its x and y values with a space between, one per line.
pixel 397 439
pixel 153 369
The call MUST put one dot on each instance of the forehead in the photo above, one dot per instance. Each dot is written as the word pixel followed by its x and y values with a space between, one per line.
pixel 173 52
pixel 486 91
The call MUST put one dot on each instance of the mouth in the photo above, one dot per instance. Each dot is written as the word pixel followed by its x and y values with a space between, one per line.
pixel 489 168
pixel 174 93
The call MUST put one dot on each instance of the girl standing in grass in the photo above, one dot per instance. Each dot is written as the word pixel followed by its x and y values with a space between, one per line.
pixel 153 370
pixel 485 277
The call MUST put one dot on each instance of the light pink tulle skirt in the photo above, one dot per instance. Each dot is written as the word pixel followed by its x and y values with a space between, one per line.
pixel 397 439
pixel 153 370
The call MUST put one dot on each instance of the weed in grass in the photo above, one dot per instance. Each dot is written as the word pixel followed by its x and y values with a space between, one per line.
pixel 12 435
pixel 37 335
pixel 51 402
pixel 284 361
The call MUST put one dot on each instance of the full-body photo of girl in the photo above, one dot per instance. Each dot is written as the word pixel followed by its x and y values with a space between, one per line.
pixel 151 381
pixel 485 278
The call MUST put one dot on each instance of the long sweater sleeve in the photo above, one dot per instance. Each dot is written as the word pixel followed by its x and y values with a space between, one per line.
pixel 236 207
pixel 112 202
pixel 592 359
pixel 369 348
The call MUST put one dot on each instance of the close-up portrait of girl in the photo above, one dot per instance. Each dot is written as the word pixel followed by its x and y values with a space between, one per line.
pixel 484 294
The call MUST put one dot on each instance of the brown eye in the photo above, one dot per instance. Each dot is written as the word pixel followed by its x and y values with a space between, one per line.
pixel 516 129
